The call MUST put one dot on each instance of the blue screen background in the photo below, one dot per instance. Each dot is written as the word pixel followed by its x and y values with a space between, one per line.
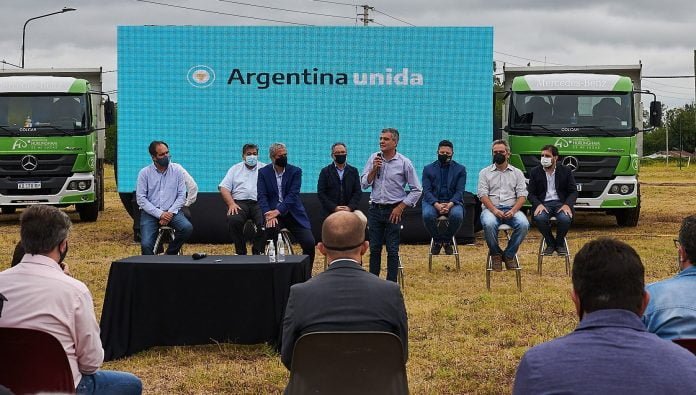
pixel 206 127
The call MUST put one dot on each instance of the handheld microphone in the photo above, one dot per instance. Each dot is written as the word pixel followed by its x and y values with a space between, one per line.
pixel 379 155
pixel 199 255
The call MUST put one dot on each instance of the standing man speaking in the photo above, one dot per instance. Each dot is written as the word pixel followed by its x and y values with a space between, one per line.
pixel 388 172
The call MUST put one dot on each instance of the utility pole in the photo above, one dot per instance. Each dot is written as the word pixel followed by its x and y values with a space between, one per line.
pixel 366 18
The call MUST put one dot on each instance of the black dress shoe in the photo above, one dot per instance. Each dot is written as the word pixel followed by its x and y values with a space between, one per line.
pixel 448 248
pixel 562 250
pixel 435 249
pixel 549 250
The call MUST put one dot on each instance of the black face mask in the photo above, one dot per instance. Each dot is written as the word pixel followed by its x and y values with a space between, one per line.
pixel 444 158
pixel 63 254
pixel 499 158
pixel 281 161
pixel 340 159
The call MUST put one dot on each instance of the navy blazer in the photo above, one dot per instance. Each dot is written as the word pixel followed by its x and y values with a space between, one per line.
pixel 345 297
pixel 267 193
pixel 456 182
pixel 565 186
pixel 329 189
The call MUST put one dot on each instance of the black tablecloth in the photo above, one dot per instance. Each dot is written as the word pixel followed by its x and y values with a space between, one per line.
pixel 175 300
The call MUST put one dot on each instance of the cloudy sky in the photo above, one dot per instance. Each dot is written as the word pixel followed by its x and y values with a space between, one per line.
pixel 661 35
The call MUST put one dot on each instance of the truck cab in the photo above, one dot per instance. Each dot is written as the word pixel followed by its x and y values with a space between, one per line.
pixel 596 122
pixel 48 144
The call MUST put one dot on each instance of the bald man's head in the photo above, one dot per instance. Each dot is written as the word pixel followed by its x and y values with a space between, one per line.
pixel 342 230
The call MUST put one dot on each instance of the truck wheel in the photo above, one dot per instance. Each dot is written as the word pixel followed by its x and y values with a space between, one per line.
pixel 627 217
pixel 9 210
pixel 88 211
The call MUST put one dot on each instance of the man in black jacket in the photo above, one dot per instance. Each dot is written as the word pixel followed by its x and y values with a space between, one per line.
pixel 339 183
pixel 552 192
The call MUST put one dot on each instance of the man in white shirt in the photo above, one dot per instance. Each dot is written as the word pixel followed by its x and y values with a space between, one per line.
pixel 39 295
pixel 238 190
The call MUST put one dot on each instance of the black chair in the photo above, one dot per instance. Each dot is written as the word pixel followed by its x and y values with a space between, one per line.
pixel 348 363
pixel 32 361
pixel 689 344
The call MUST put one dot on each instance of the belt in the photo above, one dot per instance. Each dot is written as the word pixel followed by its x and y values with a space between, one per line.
pixel 384 206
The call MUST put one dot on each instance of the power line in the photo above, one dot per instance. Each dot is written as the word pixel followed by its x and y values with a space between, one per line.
pixel 373 21
pixel 393 17
pixel 223 13
pixel 285 9
pixel 533 60
pixel 335 2
pixel 671 86
pixel 664 90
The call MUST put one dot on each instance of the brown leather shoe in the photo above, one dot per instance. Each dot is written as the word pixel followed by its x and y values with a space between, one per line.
pixel 497 263
pixel 510 263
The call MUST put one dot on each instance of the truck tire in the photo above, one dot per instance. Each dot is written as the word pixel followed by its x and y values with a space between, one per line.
pixel 88 211
pixel 629 216
pixel 9 209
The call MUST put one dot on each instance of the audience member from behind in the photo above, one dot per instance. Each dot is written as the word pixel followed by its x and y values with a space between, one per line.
pixel 671 313
pixel 344 297
pixel 610 351
pixel 161 194
pixel 39 295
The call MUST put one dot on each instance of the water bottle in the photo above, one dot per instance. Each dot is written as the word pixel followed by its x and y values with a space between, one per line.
pixel 270 251
pixel 281 249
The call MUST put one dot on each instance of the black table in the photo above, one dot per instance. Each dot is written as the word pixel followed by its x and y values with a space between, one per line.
pixel 175 300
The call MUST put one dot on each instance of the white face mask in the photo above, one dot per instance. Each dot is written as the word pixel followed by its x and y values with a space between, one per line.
pixel 546 162
pixel 251 160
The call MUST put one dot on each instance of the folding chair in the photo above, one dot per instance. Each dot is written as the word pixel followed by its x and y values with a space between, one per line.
pixel 348 363
pixel 489 265
pixel 541 255
pixel 443 221
pixel 689 344
pixel 33 361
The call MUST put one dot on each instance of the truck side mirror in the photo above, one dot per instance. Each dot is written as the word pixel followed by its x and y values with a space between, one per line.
pixel 109 112
pixel 656 114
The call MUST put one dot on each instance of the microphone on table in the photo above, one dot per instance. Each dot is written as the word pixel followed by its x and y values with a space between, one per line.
pixel 199 255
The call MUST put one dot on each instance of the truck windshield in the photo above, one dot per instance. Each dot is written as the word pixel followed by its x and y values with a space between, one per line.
pixel 43 114
pixel 591 111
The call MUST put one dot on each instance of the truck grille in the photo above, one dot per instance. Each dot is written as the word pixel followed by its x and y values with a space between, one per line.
pixel 593 172
pixel 51 171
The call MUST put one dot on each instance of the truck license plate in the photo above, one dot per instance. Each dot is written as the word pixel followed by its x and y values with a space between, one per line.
pixel 28 185
pixel 579 186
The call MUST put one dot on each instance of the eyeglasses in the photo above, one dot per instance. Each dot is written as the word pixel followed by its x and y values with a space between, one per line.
pixel 677 243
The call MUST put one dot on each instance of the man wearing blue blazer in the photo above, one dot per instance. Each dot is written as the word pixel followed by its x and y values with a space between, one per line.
pixel 443 186
pixel 278 195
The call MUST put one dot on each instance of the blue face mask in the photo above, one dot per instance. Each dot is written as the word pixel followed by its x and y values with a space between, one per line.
pixel 163 161
pixel 251 160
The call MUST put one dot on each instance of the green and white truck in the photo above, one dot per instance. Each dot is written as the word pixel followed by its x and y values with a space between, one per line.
pixel 52 139
pixel 594 115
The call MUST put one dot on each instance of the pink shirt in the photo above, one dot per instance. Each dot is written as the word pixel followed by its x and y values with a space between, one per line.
pixel 40 296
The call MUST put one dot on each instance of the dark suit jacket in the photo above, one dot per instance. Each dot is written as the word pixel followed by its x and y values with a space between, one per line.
pixel 343 298
pixel 456 182
pixel 330 192
pixel 565 186
pixel 267 193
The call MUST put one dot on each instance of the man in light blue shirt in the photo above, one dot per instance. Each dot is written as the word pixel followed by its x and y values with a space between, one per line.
pixel 388 172
pixel 161 193
pixel 671 313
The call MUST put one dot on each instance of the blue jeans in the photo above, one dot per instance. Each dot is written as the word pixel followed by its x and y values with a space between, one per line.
pixel 455 219
pixel 543 222
pixel 383 232
pixel 109 382
pixel 490 223
pixel 148 232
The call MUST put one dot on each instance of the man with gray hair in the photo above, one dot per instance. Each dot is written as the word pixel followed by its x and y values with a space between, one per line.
pixel 387 173
pixel 344 297
pixel 278 193
pixel 39 295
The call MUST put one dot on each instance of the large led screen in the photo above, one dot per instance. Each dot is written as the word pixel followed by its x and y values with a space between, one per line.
pixel 207 91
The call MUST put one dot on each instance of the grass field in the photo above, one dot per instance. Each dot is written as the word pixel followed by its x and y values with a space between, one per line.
pixel 463 339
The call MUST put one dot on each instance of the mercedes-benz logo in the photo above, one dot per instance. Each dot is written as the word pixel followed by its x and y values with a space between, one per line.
pixel 571 162
pixel 29 162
